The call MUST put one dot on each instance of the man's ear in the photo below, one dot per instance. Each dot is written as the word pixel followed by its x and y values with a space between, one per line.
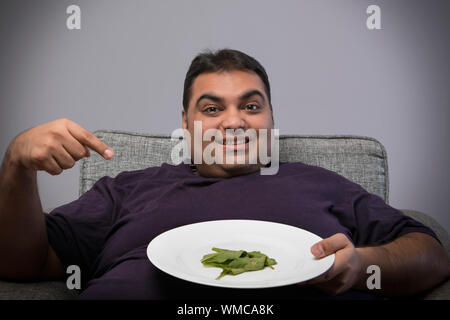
pixel 184 119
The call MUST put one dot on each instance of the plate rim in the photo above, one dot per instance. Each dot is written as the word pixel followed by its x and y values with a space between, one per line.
pixel 227 285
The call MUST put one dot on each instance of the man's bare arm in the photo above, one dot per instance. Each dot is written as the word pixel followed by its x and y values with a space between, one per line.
pixel 23 237
pixel 408 265
pixel 53 147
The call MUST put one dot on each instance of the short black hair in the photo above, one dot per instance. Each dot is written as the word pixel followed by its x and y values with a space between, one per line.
pixel 222 60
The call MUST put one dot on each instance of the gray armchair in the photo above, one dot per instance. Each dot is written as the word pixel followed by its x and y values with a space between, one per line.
pixel 359 159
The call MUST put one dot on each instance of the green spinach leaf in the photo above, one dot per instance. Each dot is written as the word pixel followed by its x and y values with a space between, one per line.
pixel 234 262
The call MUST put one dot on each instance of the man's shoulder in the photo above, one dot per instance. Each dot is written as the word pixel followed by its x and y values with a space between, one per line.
pixel 164 169
pixel 302 168
pixel 129 178
pixel 127 174
pixel 317 175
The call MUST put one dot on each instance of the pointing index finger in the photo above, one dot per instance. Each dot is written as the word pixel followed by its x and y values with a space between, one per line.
pixel 90 140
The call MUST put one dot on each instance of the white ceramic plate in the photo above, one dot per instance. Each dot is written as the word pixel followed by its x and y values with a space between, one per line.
pixel 178 252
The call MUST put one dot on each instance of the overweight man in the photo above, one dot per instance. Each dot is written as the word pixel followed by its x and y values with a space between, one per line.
pixel 106 231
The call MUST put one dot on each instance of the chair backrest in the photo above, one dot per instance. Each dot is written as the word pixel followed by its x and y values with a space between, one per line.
pixel 360 159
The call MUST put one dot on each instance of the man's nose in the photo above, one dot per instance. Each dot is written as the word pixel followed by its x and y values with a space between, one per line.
pixel 232 119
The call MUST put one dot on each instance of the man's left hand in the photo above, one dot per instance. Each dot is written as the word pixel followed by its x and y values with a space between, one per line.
pixel 346 269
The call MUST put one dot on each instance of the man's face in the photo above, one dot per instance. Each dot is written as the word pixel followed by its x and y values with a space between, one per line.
pixel 228 100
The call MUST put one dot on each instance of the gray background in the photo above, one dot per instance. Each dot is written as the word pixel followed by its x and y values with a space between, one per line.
pixel 330 75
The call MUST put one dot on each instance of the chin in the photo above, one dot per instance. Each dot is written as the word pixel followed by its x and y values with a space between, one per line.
pixel 239 168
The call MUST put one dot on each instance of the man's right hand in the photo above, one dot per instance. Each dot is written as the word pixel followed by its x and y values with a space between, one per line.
pixel 55 146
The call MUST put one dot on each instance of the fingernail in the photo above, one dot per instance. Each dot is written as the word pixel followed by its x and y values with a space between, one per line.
pixel 317 250
pixel 108 153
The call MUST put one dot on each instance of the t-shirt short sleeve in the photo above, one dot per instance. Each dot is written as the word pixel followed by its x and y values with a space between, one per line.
pixel 371 220
pixel 77 231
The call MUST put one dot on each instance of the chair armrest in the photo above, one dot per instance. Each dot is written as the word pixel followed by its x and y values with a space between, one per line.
pixel 49 290
pixel 428 221
pixel 442 291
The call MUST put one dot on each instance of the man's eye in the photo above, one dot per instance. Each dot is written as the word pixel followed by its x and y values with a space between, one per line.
pixel 252 107
pixel 211 109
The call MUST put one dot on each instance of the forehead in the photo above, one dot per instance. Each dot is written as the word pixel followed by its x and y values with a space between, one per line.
pixel 226 84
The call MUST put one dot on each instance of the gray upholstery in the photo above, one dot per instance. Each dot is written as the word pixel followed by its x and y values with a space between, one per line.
pixel 49 290
pixel 360 159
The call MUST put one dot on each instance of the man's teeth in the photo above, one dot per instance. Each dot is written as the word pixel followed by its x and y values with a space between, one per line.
pixel 238 141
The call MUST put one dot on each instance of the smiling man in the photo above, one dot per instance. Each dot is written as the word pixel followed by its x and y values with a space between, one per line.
pixel 106 231
pixel 228 99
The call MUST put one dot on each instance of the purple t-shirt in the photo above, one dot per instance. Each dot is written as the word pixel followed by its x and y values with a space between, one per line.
pixel 106 231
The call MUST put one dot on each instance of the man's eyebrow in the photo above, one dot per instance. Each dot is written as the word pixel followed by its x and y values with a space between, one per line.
pixel 210 97
pixel 251 93
pixel 217 99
